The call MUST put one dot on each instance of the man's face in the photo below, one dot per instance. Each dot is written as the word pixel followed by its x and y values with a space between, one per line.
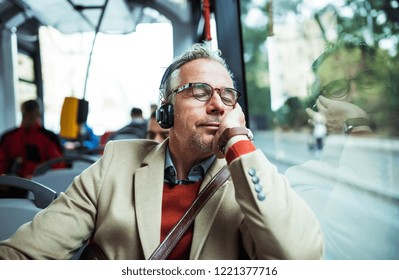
pixel 156 132
pixel 30 118
pixel 346 77
pixel 196 122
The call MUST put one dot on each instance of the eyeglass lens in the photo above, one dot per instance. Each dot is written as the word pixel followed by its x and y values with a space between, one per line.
pixel 203 92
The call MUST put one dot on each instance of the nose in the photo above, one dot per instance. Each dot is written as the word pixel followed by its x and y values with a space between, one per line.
pixel 215 105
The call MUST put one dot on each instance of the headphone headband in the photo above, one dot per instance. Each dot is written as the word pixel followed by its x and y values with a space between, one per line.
pixel 171 68
pixel 165 76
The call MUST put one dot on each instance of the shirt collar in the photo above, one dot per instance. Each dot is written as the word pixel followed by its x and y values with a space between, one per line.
pixel 195 175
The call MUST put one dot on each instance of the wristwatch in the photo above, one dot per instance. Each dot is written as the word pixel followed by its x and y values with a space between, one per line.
pixel 228 133
pixel 350 124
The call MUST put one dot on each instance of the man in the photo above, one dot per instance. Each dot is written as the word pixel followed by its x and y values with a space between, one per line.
pixel 129 200
pixel 25 147
pixel 155 131
pixel 87 141
pixel 136 129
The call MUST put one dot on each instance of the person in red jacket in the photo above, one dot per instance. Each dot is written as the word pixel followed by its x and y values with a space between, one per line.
pixel 23 148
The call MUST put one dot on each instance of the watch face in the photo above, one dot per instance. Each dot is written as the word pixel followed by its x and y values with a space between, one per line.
pixel 347 127
pixel 250 135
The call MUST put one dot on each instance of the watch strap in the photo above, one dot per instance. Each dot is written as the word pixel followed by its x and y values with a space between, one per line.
pixel 351 123
pixel 230 132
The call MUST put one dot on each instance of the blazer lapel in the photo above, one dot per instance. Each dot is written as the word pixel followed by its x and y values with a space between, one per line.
pixel 203 222
pixel 148 186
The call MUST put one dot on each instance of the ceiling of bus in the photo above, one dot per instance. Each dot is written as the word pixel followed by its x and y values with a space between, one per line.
pixel 119 16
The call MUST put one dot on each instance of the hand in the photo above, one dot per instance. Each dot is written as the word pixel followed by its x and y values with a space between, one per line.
pixel 70 145
pixel 335 112
pixel 235 118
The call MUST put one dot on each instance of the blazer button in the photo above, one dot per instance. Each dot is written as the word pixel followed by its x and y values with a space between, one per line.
pixel 261 196
pixel 252 171
pixel 258 188
pixel 255 179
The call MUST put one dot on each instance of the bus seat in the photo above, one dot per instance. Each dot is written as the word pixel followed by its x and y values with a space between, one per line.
pixel 79 162
pixel 58 179
pixel 42 195
pixel 16 211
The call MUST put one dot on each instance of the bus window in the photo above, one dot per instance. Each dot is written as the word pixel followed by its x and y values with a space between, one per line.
pixel 26 77
pixel 323 98
pixel 124 72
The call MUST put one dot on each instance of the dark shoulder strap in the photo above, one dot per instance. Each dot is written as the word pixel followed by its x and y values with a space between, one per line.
pixel 177 232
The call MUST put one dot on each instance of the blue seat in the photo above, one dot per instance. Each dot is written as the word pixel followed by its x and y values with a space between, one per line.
pixel 79 161
pixel 16 211
pixel 59 179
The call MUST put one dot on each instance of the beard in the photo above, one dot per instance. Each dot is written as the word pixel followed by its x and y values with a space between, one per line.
pixel 197 142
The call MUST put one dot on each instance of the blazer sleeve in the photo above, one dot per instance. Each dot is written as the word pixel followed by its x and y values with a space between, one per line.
pixel 277 224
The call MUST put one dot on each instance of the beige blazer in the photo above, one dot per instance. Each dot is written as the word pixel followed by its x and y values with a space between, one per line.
pixel 117 203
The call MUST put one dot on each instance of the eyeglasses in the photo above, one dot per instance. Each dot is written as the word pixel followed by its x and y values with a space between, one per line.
pixel 340 88
pixel 203 92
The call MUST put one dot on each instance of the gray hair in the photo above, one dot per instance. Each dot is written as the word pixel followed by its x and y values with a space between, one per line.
pixel 172 74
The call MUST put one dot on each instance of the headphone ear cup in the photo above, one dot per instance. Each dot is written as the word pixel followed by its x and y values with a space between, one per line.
pixel 164 115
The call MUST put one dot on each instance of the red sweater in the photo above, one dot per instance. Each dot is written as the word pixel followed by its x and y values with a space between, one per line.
pixel 175 202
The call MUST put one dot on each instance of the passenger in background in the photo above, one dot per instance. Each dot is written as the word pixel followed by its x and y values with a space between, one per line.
pixel 86 143
pixel 25 147
pixel 319 132
pixel 153 108
pixel 155 131
pixel 136 129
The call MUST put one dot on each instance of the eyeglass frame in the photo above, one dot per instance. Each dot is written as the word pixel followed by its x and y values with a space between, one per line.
pixel 219 90
pixel 348 82
pixel 347 85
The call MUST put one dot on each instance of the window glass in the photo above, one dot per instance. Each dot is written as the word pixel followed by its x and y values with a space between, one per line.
pixel 121 73
pixel 25 68
pixel 26 80
pixel 323 93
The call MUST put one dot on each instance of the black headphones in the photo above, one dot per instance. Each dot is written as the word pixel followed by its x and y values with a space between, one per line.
pixel 164 114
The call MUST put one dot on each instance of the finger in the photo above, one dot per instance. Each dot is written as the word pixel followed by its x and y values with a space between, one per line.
pixel 321 104
pixel 324 101
pixel 237 105
pixel 220 155
pixel 216 150
pixel 233 118
pixel 310 112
